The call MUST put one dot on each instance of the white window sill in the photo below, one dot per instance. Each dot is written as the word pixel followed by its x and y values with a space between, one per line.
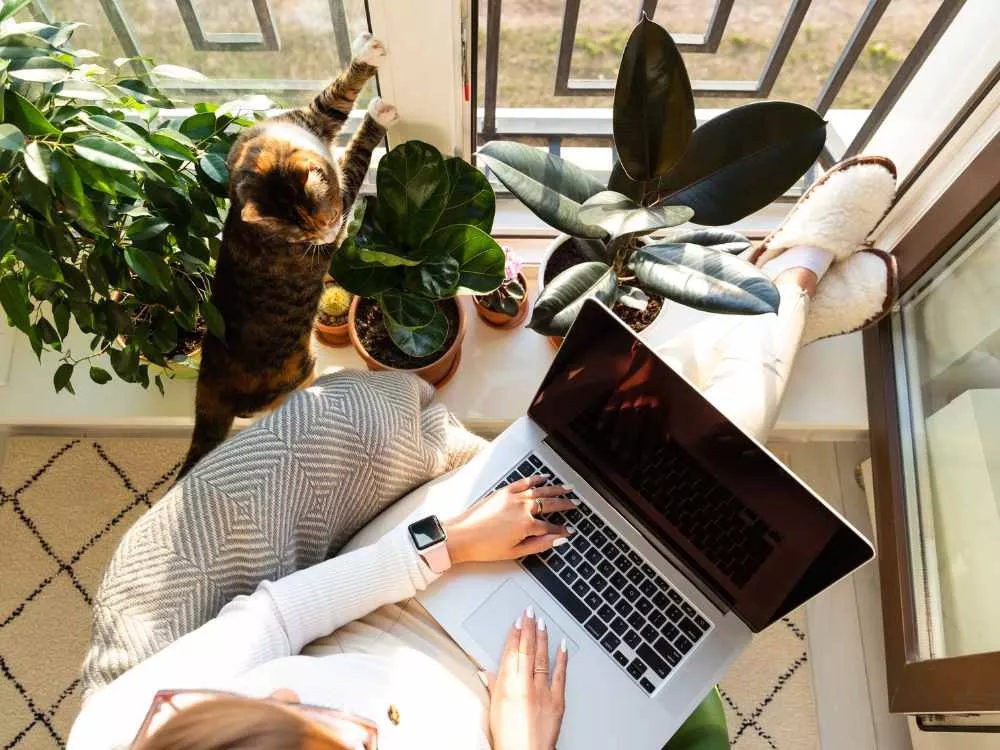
pixel 499 373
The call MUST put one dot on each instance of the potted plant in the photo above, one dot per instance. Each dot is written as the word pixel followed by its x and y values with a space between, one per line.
pixel 507 305
pixel 410 250
pixel 331 319
pixel 110 214
pixel 667 173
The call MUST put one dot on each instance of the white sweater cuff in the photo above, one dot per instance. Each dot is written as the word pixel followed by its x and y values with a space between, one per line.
pixel 314 602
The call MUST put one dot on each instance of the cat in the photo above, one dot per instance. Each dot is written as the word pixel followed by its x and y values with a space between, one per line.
pixel 288 203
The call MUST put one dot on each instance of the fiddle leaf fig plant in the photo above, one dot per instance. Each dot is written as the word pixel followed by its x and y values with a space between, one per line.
pixel 668 173
pixel 422 239
pixel 110 208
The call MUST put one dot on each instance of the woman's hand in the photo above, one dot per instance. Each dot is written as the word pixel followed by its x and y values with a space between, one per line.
pixel 525 710
pixel 504 525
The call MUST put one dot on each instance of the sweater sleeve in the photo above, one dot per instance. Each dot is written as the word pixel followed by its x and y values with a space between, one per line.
pixel 276 621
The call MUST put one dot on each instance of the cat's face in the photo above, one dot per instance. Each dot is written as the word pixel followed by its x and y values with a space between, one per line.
pixel 294 196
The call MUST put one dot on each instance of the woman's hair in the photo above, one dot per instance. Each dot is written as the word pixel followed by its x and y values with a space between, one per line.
pixel 240 724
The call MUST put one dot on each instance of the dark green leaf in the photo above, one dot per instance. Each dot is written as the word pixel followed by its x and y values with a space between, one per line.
pixel 744 159
pixel 37 158
pixel 77 203
pixel 620 182
pixel 436 278
pixel 470 196
pixel 213 319
pixel 95 176
pixel 100 375
pixel 116 129
pixel 107 153
pixel 35 195
pixel 62 377
pixel 146 227
pixel 213 174
pixel 561 299
pixel 419 342
pixel 551 187
pixel 7 231
pixel 173 144
pixel 36 343
pixel 654 106
pixel 14 299
pixel 412 187
pixel 705 279
pixel 480 258
pixel 37 258
pixel 717 239
pixel 199 126
pixel 159 384
pixel 46 332
pixel 620 215
pixel 60 314
pixel 11 138
pixel 358 277
pixel 406 309
pixel 148 266
pixel 374 247
pixel 26 115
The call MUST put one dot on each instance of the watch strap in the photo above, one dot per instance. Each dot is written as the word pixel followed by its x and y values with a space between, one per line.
pixel 437 558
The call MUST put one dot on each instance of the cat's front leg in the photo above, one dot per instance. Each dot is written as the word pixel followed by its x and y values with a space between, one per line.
pixel 368 50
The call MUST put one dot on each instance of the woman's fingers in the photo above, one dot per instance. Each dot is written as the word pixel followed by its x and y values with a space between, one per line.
pixel 551 490
pixel 508 660
pixel 553 505
pixel 526 649
pixel 541 527
pixel 559 672
pixel 521 485
pixel 535 544
pixel 541 669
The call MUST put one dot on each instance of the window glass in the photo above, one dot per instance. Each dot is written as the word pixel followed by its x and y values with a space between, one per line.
pixel 947 344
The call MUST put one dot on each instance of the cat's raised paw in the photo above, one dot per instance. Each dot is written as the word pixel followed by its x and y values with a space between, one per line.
pixel 369 50
pixel 383 113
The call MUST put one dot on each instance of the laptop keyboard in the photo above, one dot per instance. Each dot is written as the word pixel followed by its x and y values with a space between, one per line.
pixel 643 622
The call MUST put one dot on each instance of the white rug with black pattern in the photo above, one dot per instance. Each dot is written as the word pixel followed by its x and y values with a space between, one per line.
pixel 65 501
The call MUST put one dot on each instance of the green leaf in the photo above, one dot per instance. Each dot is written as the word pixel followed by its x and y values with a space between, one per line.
pixel 213 319
pixel 148 266
pixel 100 375
pixel 717 239
pixel 26 115
pixel 76 201
pixel 159 384
pixel 436 278
pixel 654 107
pixel 95 177
pixel 61 379
pixel 46 332
pixel 35 195
pixel 620 215
pixel 173 144
pixel 470 196
pixel 116 129
pixel 11 7
pixel 177 72
pixel 106 153
pixel 358 277
pixel 40 70
pixel 213 174
pixel 550 186
pixel 8 228
pixel 406 309
pixel 37 258
pixel 146 227
pixel 563 297
pixel 11 138
pixel 199 126
pixel 60 314
pixel 422 341
pixel 703 278
pixel 744 159
pixel 37 158
pixel 620 182
pixel 412 188
pixel 480 257
pixel 14 299
pixel 85 90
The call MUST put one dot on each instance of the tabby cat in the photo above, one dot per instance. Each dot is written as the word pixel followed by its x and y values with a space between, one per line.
pixel 288 198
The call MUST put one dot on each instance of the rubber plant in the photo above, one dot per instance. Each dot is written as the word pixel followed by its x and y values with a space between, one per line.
pixel 423 238
pixel 110 212
pixel 668 172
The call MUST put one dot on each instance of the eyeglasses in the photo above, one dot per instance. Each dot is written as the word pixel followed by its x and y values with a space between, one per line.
pixel 356 731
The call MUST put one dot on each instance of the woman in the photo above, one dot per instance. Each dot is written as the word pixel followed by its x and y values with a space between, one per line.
pixel 337 654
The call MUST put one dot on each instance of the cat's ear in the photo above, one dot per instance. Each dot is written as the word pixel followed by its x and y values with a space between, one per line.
pixel 250 212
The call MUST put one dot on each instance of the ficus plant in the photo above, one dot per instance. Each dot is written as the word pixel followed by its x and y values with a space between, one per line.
pixel 423 238
pixel 111 207
pixel 668 172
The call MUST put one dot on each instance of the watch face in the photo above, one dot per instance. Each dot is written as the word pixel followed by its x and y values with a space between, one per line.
pixel 427 532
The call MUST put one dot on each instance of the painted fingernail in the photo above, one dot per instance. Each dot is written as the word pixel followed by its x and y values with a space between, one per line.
pixel 530 612
pixel 518 622
pixel 541 625
pixel 570 529
pixel 560 542
pixel 569 487
pixel 562 646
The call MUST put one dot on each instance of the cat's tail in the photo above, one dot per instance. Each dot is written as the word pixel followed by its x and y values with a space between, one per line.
pixel 213 418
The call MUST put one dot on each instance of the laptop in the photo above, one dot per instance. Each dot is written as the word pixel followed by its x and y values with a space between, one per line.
pixel 689 538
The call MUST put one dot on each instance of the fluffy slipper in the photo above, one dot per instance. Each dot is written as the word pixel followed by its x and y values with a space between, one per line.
pixel 854 294
pixel 837 212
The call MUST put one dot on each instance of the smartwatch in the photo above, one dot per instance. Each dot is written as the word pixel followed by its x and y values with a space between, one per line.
pixel 429 538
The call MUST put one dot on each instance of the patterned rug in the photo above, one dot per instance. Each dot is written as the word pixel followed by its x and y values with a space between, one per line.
pixel 65 501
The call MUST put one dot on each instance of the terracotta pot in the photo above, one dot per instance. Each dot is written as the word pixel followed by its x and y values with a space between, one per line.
pixel 334 336
pixel 502 320
pixel 437 373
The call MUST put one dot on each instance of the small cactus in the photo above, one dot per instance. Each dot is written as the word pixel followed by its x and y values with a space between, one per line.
pixel 334 303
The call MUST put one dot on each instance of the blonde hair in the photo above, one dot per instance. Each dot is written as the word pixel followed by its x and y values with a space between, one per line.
pixel 240 724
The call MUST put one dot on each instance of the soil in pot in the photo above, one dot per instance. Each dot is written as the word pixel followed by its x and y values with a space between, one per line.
pixel 567 255
pixel 375 338
pixel 188 341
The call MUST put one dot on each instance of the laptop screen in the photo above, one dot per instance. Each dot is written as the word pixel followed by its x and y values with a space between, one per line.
pixel 695 484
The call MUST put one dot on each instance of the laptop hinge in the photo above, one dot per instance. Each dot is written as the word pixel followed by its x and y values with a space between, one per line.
pixel 704 584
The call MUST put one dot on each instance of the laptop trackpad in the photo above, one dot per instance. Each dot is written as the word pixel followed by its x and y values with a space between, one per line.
pixel 492 621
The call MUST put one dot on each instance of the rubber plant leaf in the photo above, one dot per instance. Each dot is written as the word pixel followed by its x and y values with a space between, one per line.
pixel 561 300
pixel 718 239
pixel 620 215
